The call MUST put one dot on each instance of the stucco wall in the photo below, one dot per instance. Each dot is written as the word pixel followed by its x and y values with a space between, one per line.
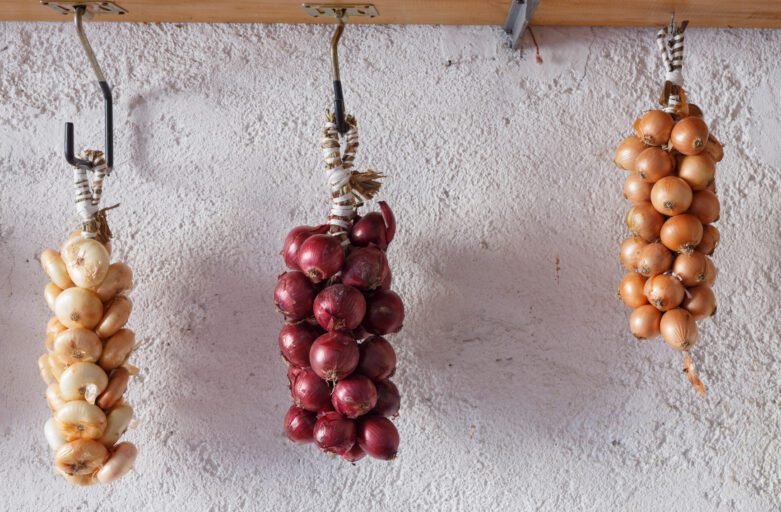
pixel 522 388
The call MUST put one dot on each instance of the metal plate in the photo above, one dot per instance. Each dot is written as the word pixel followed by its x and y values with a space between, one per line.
pixel 318 10
pixel 92 7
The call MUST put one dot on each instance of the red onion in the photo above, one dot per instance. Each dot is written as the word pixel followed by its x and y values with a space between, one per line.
pixel 354 454
pixel 294 295
pixel 333 356
pixel 334 433
pixel 388 399
pixel 359 333
pixel 377 437
pixel 320 257
pixel 339 308
pixel 384 313
pixel 374 228
pixel 293 242
pixel 292 374
pixel 299 425
pixel 354 396
pixel 386 283
pixel 366 268
pixel 378 359
pixel 310 392
pixel 295 340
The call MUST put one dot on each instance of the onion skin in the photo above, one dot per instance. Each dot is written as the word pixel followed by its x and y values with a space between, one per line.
pixel 295 341
pixel 294 295
pixel 679 329
pixel 334 433
pixel 689 136
pixel 388 399
pixel 705 206
pixel 366 268
pixel 334 356
pixel 654 164
pixel 671 196
pixel 700 302
pixel 339 308
pixel 299 425
pixel 654 127
pixel 631 290
pixel 710 240
pixel 377 358
pixel 631 248
pixel 390 221
pixel 654 259
pixel 699 171
pixel 354 454
pixel 636 189
pixel 665 292
pixel 293 242
pixel 292 374
pixel 378 437
pixel 690 268
pixel 320 257
pixel 644 322
pixel 310 392
pixel 384 313
pixel 714 148
pixel 681 233
pixel 627 152
pixel 710 272
pixel 644 221
pixel 354 396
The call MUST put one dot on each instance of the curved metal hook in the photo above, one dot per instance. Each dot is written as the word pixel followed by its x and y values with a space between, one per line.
pixel 341 124
pixel 107 102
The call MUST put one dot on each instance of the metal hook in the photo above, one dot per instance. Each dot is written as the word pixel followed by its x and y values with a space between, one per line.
pixel 341 124
pixel 107 102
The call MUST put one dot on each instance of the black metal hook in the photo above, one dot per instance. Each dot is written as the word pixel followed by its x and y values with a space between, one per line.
pixel 341 124
pixel 107 102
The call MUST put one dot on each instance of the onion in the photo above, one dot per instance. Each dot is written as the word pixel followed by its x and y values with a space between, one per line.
pixel 682 233
pixel 320 257
pixel 654 127
pixel 636 189
pixel 690 268
pixel 631 290
pixel 354 454
pixel 77 345
pixel 644 322
pixel 679 329
pixel 384 313
pixel 293 242
pixel 299 425
pixel 665 292
pixel 710 272
pixel 339 308
pixel 630 252
pixel 644 221
pixel 374 228
pixel 386 283
pixel 366 268
pixel 292 374
pixel 378 437
pixel 377 358
pixel 714 148
pixel 354 396
pixel 700 301
pixel 671 196
pixel 55 268
pixel 334 356
pixel 295 341
pixel 654 259
pixel 654 164
pixel 693 110
pixel 705 206
pixel 294 295
pixel 388 399
pixel 87 261
pixel 77 307
pixel 334 433
pixel 710 239
pixel 119 279
pixel 310 392
pixel 689 135
pixel 627 152
pixel 698 171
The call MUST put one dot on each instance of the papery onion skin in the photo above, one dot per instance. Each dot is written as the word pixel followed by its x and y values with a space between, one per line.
pixel 644 221
pixel 388 399
pixel 654 164
pixel 679 329
pixel 644 322
pixel 377 358
pixel 339 308
pixel 293 242
pixel 631 290
pixel 294 295
pixel 698 171
pixel 665 292
pixel 320 257
pixel 710 240
pixel 299 425
pixel 681 233
pixel 370 229
pixel 636 189
pixel 334 356
pixel 627 152
pixel 689 135
pixel 378 437
pixel 354 396
pixel 292 374
pixel 671 196
pixel 705 206
pixel 710 272
pixel 654 259
pixel 631 248
pixel 295 341
pixel 334 433
pixel 690 268
pixel 384 313
pixel 654 127
pixel 390 221
pixel 366 268
pixel 310 392
pixel 354 454
pixel 700 301
pixel 714 148
pixel 694 111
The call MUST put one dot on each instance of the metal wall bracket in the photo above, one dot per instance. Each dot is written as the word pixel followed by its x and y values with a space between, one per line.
pixel 90 7
pixel 337 10
pixel 521 12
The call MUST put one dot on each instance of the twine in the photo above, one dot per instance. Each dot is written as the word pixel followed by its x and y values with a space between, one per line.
pixel 88 195
pixel 670 41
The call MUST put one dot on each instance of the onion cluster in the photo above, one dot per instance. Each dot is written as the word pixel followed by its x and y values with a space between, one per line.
pixel 85 365
pixel 672 164
pixel 338 308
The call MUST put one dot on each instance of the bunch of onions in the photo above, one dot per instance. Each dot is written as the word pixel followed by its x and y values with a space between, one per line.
pixel 338 305
pixel 85 365
pixel 672 160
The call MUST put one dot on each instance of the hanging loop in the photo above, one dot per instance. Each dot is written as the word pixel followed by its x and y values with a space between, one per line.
pixel 107 103
pixel 341 124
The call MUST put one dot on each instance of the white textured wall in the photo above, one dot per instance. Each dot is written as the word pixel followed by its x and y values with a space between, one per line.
pixel 522 388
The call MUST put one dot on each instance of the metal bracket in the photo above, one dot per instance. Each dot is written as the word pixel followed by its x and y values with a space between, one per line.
pixel 69 8
pixel 521 12
pixel 340 10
